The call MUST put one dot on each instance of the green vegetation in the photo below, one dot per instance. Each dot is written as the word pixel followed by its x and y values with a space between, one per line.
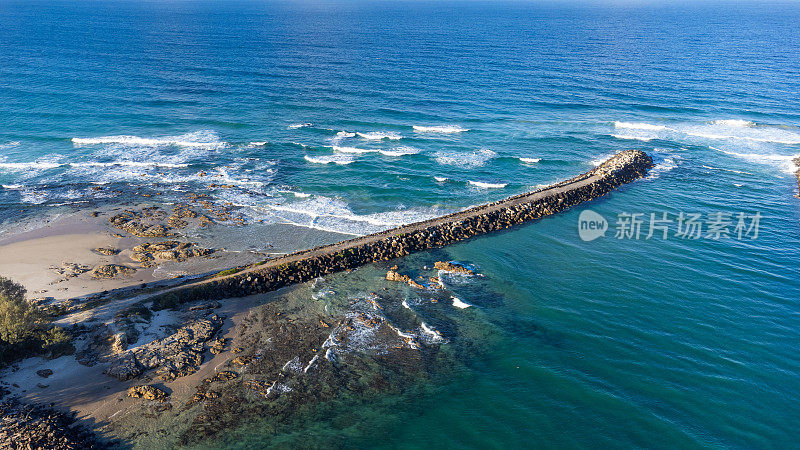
pixel 135 312
pixel 227 272
pixel 166 301
pixel 25 330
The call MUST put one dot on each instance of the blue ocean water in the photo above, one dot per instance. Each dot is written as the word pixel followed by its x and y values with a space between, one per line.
pixel 357 116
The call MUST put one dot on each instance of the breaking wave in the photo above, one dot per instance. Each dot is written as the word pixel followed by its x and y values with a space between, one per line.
pixel 483 185
pixel 359 151
pixel 639 126
pixel 734 123
pixel 447 129
pixel 335 215
pixel 403 150
pixel 631 137
pixel 330 159
pixel 199 139
pixel 379 135
pixel 785 162
pixel 30 166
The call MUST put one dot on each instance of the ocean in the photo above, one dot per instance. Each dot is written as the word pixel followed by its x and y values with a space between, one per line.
pixel 351 117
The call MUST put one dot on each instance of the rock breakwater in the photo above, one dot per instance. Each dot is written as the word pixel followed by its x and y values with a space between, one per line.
pixel 306 265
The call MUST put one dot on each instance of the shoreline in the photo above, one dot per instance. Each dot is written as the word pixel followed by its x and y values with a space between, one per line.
pixel 131 340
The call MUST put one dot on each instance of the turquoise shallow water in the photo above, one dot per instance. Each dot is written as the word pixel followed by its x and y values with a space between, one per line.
pixel 613 342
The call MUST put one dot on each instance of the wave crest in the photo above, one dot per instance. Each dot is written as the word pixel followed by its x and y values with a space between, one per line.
pixel 199 139
pixel 379 135
pixel 484 185
pixel 447 129
pixel 330 159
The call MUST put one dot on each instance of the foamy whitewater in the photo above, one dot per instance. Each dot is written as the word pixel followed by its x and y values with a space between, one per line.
pixel 321 121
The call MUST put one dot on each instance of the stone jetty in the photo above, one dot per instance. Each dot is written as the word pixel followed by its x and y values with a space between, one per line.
pixel 306 265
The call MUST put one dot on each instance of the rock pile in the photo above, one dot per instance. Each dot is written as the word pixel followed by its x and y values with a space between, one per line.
pixel 31 426
pixel 175 356
pixel 141 223
pixel 450 267
pixel 107 251
pixel 111 271
pixel 151 393
pixel 309 264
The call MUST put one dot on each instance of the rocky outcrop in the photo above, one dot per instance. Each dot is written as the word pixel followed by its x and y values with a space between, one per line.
pixel 107 251
pixel 142 223
pixel 177 355
pixel 151 393
pixel 31 426
pixel 111 271
pixel 70 270
pixel 450 267
pixel 168 250
pixel 309 264
pixel 797 175
pixel 393 275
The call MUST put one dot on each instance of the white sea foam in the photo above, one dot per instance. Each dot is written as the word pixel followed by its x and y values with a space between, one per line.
pixel 601 159
pixel 259 144
pixel 734 123
pixel 664 166
pixel 465 160
pixel 139 164
pixel 328 159
pixel 223 177
pixel 379 135
pixel 529 160
pixel 725 129
pixel 295 126
pixel 632 137
pixel 11 144
pixel 199 139
pixel 447 129
pixel 440 179
pixel 402 150
pixel 405 304
pixel 311 363
pixel 726 170
pixel 639 126
pixel 33 197
pixel 460 304
pixel 760 134
pixel 432 334
pixel 12 186
pixel 340 136
pixel 484 185
pixel 335 215
pixel 301 194
pixel 30 166
pixel 785 162
pixel 355 150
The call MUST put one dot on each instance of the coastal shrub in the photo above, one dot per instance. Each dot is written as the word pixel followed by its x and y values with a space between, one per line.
pixel 227 272
pixel 24 329
pixel 165 301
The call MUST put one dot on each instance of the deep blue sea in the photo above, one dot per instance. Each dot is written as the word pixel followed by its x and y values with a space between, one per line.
pixel 354 117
